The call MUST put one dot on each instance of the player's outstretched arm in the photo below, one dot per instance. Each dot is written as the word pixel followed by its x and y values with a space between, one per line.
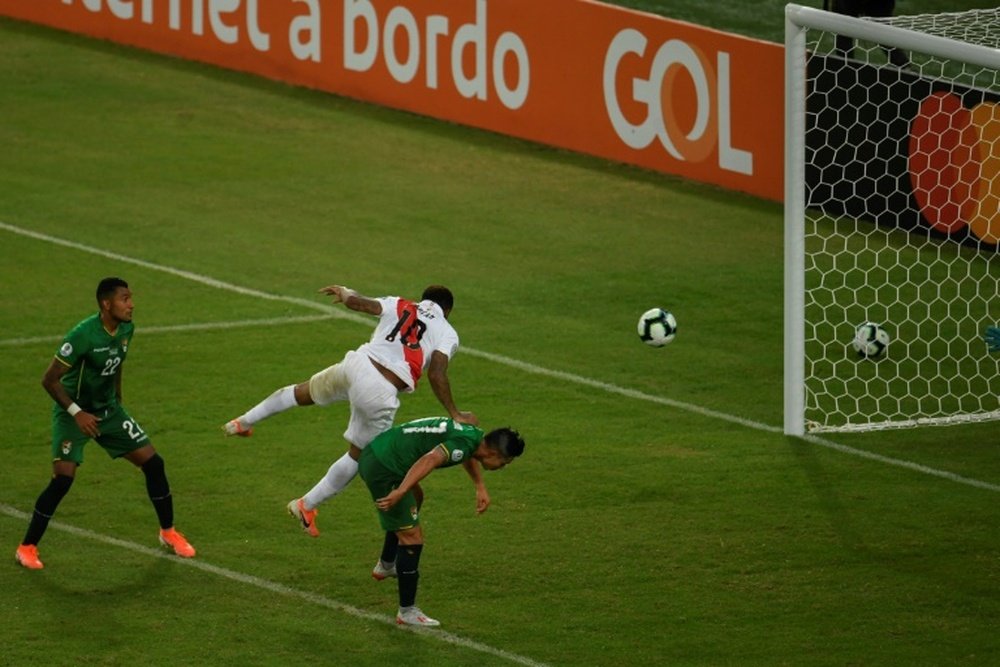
pixel 992 338
pixel 437 375
pixel 352 299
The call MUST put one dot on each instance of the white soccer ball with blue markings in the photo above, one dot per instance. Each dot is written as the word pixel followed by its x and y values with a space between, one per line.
pixel 657 327
pixel 870 340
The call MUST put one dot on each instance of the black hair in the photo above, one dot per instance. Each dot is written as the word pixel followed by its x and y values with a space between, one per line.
pixel 505 440
pixel 440 295
pixel 106 288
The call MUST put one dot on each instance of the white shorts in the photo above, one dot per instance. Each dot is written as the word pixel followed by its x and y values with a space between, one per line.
pixel 374 400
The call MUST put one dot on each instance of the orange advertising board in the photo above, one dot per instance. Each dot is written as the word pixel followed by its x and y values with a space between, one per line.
pixel 581 75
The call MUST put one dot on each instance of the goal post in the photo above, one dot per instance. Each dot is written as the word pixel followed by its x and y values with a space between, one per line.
pixel 892 216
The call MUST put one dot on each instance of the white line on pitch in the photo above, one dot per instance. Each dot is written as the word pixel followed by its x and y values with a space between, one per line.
pixel 180 273
pixel 199 326
pixel 275 587
pixel 514 363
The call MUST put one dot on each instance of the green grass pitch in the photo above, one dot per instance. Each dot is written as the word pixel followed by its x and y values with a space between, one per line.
pixel 658 516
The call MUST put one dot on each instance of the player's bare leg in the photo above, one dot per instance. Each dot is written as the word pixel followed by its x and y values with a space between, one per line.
pixel 292 396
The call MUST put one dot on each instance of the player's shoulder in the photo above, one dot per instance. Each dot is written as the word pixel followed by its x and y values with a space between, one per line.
pixel 468 431
pixel 388 303
pixel 79 338
pixel 430 309
pixel 432 313
pixel 445 334
pixel 461 441
pixel 86 327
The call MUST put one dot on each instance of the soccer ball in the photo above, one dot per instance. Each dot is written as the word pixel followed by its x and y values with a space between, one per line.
pixel 870 340
pixel 657 327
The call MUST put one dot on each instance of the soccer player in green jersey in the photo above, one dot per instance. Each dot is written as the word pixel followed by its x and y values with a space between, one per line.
pixel 392 467
pixel 85 381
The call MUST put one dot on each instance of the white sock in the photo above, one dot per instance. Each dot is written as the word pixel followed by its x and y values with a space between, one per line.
pixel 279 401
pixel 334 481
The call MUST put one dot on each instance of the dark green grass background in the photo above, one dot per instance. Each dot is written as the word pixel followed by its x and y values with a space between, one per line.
pixel 631 533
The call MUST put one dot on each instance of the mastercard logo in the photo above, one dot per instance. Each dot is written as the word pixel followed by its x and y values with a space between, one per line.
pixel 954 165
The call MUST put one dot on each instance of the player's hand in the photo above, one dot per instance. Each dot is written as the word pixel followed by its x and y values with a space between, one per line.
pixel 338 292
pixel 482 499
pixel 467 418
pixel 386 503
pixel 88 423
pixel 992 338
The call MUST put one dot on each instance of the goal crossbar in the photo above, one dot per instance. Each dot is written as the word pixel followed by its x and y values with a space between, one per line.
pixel 890 35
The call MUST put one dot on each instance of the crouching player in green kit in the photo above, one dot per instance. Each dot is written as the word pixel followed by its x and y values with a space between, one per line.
pixel 392 466
pixel 85 381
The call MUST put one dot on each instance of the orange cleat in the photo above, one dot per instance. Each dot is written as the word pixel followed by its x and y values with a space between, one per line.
pixel 27 556
pixel 172 539
pixel 307 518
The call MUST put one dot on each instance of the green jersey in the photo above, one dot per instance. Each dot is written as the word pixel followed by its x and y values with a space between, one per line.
pixel 94 358
pixel 400 447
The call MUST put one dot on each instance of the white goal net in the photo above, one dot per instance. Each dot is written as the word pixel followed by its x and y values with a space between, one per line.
pixel 892 216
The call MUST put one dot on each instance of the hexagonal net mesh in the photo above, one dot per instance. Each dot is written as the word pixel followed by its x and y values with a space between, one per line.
pixel 900 216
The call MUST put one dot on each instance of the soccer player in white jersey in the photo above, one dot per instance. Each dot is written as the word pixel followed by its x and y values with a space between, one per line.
pixel 410 338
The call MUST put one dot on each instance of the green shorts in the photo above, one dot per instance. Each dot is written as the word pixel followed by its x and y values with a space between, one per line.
pixel 380 481
pixel 120 434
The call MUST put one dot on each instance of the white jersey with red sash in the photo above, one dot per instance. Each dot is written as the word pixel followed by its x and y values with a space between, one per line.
pixel 407 334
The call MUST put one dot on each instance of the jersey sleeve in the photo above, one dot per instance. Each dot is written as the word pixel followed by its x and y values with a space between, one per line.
pixel 73 346
pixel 458 448
pixel 388 304
pixel 448 345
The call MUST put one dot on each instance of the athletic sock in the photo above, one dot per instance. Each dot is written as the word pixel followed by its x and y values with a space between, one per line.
pixel 334 481
pixel 46 506
pixel 407 564
pixel 390 548
pixel 159 490
pixel 279 401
